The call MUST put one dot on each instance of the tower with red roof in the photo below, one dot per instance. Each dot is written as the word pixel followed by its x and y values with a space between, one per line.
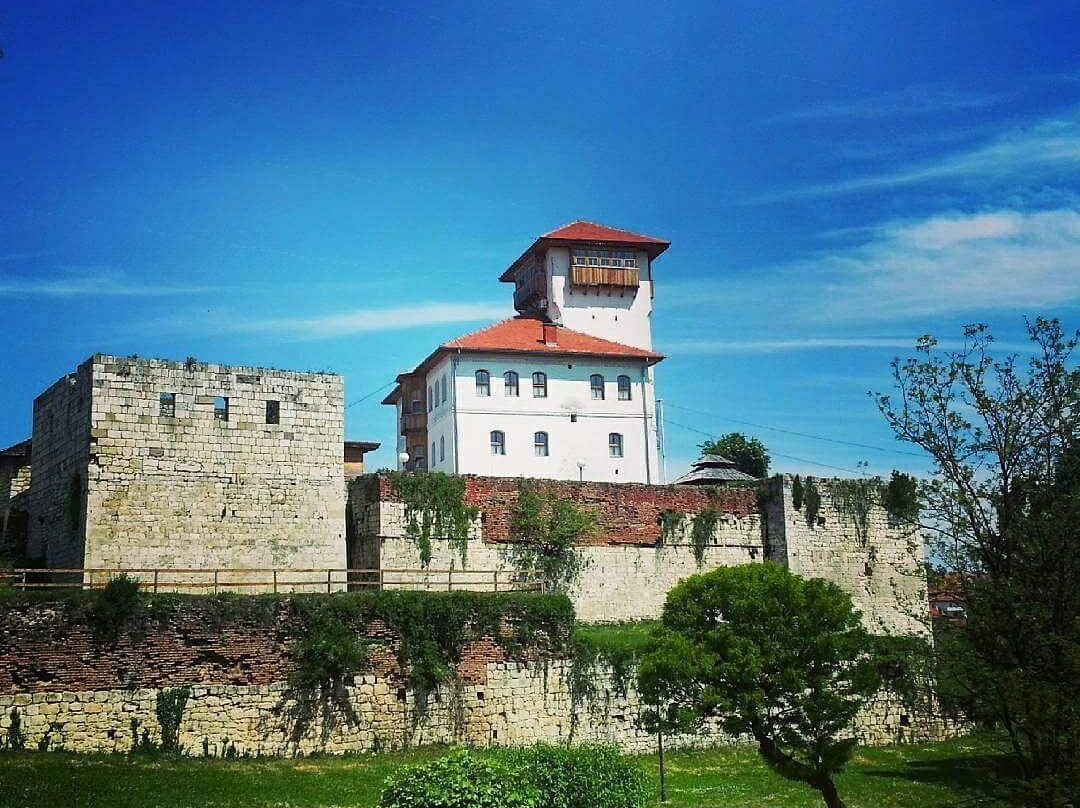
pixel 562 391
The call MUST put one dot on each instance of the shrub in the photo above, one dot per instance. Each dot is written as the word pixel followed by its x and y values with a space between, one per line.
pixel 580 776
pixel 114 606
pixel 458 781
pixel 16 739
pixel 169 708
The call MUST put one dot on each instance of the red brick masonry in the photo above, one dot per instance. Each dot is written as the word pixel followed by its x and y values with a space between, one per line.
pixel 629 512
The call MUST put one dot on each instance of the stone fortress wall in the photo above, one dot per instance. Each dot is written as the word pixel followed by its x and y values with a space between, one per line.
pixel 87 696
pixel 181 484
pixel 630 565
pixel 14 500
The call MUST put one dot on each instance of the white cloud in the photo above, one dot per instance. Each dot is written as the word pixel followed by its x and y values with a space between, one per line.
pixel 1049 146
pixel 357 321
pixel 93 283
pixel 1004 260
pixel 911 101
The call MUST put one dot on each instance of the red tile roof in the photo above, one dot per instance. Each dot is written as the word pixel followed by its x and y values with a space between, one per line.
pixel 590 232
pixel 526 335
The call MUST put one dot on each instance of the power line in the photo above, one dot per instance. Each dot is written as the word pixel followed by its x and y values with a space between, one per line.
pixel 374 392
pixel 794 432
pixel 776 454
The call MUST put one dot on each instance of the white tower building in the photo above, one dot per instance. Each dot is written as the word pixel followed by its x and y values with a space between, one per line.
pixel 564 390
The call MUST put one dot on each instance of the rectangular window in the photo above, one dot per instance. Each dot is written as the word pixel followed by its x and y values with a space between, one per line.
pixel 540 444
pixel 596 383
pixel 433 451
pixel 615 448
pixel 539 385
pixel 221 408
pixel 498 442
pixel 624 388
pixel 273 412
pixel 167 405
pixel 483 383
pixel 443 384
pixel 603 258
pixel 442 448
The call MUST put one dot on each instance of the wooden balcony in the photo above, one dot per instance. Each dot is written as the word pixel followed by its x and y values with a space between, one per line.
pixel 413 421
pixel 624 277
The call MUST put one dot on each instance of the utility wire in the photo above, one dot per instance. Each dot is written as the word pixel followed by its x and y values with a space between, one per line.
pixel 374 392
pixel 793 432
pixel 776 454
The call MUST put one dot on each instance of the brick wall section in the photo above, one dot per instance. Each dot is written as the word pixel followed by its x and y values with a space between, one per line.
pixel 84 695
pixel 629 512
pixel 51 648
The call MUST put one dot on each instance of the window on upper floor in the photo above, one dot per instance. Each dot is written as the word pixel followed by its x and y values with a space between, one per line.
pixel 433 451
pixel 167 405
pixel 221 408
pixel 596 383
pixel 510 383
pixel 430 399
pixel 442 448
pixel 539 385
pixel 603 258
pixel 273 412
pixel 417 401
pixel 483 383
pixel 614 443
pixel 442 384
pixel 624 388
pixel 540 444
pixel 498 442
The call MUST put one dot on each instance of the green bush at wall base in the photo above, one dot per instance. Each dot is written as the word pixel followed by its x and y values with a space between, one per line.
pixel 580 776
pixel 461 780
pixel 540 776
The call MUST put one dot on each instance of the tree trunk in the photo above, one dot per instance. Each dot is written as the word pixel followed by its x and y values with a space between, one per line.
pixel 828 792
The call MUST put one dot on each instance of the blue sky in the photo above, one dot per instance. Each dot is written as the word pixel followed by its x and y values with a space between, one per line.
pixel 337 184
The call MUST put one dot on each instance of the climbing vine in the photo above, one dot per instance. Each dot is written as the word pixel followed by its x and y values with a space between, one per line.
pixel 545 532
pixel 672 525
pixel 797 493
pixel 853 499
pixel 701 534
pixel 434 508
pixel 169 709
pixel 900 497
pixel 811 501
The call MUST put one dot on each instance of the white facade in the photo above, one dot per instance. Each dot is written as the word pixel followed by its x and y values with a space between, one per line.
pixel 577 427
pixel 602 289
pixel 618 314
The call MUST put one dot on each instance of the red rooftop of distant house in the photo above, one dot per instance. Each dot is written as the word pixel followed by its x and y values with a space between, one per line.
pixel 582 231
pixel 534 336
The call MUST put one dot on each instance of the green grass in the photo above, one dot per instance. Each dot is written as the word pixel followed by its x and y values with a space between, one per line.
pixel 625 638
pixel 960 772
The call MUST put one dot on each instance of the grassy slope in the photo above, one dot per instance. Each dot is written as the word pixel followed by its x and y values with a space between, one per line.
pixel 893 777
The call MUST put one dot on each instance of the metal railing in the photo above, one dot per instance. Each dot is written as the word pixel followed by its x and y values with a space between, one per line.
pixel 313 579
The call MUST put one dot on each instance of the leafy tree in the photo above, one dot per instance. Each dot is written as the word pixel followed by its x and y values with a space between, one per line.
pixel 771 655
pixel 1004 508
pixel 545 531
pixel 748 454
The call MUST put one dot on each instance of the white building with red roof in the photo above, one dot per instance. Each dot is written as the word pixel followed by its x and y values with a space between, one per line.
pixel 562 391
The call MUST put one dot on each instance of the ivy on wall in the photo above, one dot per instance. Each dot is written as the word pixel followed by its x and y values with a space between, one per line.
pixel 672 525
pixel 797 493
pixel 545 532
pixel 811 501
pixel 434 508
pixel 854 499
pixel 701 535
